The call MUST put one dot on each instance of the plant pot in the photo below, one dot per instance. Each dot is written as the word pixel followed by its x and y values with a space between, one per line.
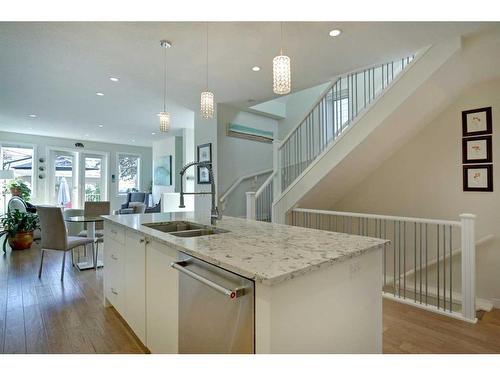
pixel 21 241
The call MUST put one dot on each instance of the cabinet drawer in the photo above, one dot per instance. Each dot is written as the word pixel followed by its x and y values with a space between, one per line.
pixel 114 294
pixel 113 274
pixel 113 252
pixel 116 233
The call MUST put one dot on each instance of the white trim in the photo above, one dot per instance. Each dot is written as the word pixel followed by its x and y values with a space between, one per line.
pixel 383 217
pixel 139 156
pixel 429 308
pixel 34 163
pixel 105 175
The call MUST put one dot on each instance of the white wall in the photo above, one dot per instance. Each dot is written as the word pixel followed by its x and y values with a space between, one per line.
pixel 424 179
pixel 43 143
pixel 238 157
pixel 189 156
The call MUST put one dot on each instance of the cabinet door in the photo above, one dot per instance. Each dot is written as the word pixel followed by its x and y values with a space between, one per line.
pixel 114 274
pixel 135 283
pixel 161 299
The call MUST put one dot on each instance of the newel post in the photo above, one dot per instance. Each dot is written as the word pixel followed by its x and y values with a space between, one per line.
pixel 468 267
pixel 250 205
pixel 276 168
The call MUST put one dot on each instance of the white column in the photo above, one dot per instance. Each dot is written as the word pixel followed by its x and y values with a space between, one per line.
pixel 468 267
pixel 250 205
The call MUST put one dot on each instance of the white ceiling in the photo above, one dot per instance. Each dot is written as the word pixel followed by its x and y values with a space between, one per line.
pixel 55 69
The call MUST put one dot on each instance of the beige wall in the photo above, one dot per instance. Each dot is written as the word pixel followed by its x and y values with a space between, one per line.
pixel 424 179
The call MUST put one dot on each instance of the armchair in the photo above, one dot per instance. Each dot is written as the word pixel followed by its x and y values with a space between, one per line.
pixel 136 203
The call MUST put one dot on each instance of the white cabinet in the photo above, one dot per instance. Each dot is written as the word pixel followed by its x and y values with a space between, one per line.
pixel 161 299
pixel 142 287
pixel 114 262
pixel 135 283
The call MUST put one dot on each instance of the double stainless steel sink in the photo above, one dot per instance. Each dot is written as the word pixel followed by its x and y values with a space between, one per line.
pixel 184 228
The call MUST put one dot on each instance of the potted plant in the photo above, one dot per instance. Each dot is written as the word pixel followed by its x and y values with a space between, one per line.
pixel 19 227
pixel 19 188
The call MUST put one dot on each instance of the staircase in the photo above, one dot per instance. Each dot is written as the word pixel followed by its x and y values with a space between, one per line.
pixel 344 130
pixel 338 143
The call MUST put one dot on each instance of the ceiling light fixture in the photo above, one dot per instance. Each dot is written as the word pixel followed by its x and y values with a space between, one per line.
pixel 99 94
pixel 101 126
pixel 256 68
pixel 32 116
pixel 114 79
pixel 207 97
pixel 153 133
pixel 335 32
pixel 282 77
pixel 164 116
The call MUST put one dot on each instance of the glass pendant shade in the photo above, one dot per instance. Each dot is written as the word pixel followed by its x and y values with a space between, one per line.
pixel 164 121
pixel 282 76
pixel 207 105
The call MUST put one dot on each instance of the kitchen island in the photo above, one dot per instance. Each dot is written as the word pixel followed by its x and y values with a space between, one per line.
pixel 314 291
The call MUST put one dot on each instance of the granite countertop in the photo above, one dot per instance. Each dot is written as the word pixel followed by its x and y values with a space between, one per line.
pixel 265 252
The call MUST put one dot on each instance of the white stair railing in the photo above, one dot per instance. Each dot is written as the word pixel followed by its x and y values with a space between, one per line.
pixel 259 203
pixel 235 184
pixel 422 245
pixel 331 115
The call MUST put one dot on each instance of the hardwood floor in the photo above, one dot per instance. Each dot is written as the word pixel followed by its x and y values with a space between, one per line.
pixel 411 330
pixel 47 316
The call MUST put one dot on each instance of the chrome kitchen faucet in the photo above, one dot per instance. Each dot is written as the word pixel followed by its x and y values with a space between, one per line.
pixel 214 212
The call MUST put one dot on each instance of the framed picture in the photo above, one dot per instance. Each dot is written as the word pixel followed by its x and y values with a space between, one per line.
pixel 478 177
pixel 204 153
pixel 163 170
pixel 477 150
pixel 476 122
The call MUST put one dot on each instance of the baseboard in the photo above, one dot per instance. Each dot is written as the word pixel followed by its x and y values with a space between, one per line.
pixel 495 302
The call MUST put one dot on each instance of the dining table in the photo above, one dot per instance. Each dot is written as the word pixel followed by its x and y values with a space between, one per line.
pixel 90 222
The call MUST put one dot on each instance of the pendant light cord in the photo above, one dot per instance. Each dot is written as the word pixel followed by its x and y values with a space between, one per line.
pixel 281 40
pixel 206 25
pixel 165 80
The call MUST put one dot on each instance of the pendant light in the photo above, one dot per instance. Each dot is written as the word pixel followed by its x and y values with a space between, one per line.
pixel 282 76
pixel 165 116
pixel 207 97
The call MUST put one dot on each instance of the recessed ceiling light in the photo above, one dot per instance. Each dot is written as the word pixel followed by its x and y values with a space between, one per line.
pixel 114 79
pixel 133 140
pixel 99 94
pixel 32 116
pixel 86 135
pixel 335 32
pixel 101 126
pixel 256 68
pixel 153 133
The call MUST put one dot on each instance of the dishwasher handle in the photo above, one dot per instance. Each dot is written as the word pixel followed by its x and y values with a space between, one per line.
pixel 231 293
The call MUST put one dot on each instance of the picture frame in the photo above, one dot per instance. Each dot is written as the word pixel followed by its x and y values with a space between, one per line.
pixel 477 122
pixel 477 150
pixel 204 153
pixel 478 177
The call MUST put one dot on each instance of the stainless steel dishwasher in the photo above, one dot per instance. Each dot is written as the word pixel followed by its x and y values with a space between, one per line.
pixel 216 309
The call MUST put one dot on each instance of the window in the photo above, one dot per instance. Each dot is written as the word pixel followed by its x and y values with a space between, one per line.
pixel 128 173
pixel 19 158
